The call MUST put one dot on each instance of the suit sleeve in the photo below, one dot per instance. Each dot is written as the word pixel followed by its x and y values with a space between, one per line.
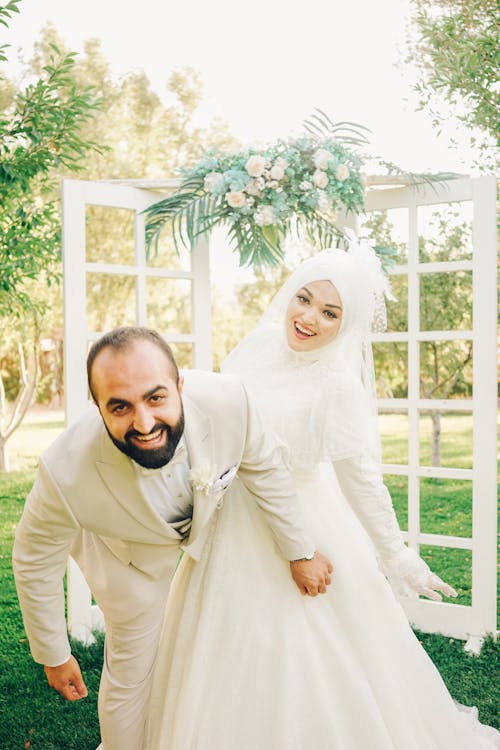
pixel 44 538
pixel 263 471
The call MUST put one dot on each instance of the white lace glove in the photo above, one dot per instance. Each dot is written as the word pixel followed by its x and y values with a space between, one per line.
pixel 409 574
pixel 361 483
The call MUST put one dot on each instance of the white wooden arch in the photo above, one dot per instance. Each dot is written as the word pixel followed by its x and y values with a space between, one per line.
pixel 467 622
pixel 474 621
pixel 83 617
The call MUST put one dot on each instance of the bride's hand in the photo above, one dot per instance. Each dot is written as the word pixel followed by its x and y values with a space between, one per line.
pixel 408 573
pixel 435 584
pixel 312 576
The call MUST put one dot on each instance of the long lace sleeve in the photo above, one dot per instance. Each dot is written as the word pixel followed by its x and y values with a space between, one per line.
pixel 362 484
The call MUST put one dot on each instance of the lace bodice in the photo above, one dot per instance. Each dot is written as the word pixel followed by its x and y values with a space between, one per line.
pixel 317 411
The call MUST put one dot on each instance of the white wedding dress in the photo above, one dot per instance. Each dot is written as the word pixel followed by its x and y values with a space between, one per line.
pixel 245 661
pixel 248 663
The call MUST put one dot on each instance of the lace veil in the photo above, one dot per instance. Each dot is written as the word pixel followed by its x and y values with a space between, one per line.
pixel 321 402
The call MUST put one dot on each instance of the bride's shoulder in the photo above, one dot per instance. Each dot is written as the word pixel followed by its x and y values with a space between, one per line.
pixel 342 381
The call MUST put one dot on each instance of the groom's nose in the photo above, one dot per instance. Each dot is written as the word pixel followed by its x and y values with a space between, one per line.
pixel 144 420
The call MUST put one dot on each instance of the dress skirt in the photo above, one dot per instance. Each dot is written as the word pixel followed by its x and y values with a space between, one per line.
pixel 248 663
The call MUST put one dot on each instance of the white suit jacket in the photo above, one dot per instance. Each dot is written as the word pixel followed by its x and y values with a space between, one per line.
pixel 85 485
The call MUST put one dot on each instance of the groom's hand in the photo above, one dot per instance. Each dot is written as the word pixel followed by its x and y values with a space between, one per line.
pixel 312 576
pixel 67 680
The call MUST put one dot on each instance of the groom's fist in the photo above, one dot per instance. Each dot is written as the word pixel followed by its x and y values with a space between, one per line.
pixel 312 576
pixel 67 680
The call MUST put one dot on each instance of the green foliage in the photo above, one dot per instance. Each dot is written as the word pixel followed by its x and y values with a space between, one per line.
pixel 319 125
pixel 262 194
pixel 40 130
pixel 445 304
pixel 139 136
pixel 6 12
pixel 456 49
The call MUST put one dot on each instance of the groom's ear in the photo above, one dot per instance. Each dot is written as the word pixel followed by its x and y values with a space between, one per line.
pixel 180 384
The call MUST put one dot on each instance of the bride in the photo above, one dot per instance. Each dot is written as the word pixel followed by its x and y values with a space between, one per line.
pixel 246 662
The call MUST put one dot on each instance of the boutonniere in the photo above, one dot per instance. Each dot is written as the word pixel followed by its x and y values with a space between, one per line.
pixel 204 478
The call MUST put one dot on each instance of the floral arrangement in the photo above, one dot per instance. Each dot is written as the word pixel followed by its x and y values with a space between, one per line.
pixel 262 194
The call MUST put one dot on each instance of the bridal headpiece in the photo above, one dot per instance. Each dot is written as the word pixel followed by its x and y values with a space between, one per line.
pixel 357 275
pixel 334 383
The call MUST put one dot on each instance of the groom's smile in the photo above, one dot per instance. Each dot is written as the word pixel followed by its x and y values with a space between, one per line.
pixel 140 402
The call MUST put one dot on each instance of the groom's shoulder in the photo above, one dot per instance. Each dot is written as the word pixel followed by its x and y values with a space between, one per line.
pixel 218 387
pixel 81 437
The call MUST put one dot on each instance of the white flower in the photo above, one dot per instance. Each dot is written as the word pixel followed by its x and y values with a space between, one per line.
pixel 212 179
pixel 264 216
pixel 235 198
pixel 342 172
pixel 281 163
pixel 255 186
pixel 305 185
pixel 256 165
pixel 203 477
pixel 273 184
pixel 322 158
pixel 277 172
pixel 320 178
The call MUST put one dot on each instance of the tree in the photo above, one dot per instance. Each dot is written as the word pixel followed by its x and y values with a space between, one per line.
pixel 454 44
pixel 40 130
pixel 6 12
pixel 445 304
pixel 22 338
pixel 143 137
pixel 140 137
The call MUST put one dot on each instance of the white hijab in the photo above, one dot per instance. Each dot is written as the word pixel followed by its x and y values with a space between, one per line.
pixel 320 402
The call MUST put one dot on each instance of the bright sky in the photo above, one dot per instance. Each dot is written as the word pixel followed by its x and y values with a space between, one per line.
pixel 266 64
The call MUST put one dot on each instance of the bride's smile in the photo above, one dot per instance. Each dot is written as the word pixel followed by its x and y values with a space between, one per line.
pixel 313 316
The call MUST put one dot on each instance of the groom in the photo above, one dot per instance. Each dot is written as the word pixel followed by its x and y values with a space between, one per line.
pixel 123 490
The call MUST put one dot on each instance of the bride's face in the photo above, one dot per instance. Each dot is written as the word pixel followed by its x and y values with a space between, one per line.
pixel 313 316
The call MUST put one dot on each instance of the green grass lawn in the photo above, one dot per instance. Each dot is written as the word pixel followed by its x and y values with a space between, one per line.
pixel 445 504
pixel 38 430
pixel 456 439
pixel 34 717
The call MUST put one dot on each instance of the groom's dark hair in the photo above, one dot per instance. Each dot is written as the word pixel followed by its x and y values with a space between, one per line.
pixel 122 338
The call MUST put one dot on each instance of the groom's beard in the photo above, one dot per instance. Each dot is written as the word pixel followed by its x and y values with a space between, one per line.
pixel 152 458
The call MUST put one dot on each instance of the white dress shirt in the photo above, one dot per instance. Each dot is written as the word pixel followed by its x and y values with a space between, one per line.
pixel 168 489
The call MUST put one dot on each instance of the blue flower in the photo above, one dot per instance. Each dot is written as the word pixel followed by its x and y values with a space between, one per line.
pixel 236 179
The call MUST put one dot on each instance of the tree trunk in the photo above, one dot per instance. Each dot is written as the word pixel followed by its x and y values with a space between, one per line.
pixel 436 437
pixel 10 423
pixel 4 456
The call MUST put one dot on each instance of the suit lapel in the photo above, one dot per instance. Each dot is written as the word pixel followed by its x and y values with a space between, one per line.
pixel 198 434
pixel 201 450
pixel 118 475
